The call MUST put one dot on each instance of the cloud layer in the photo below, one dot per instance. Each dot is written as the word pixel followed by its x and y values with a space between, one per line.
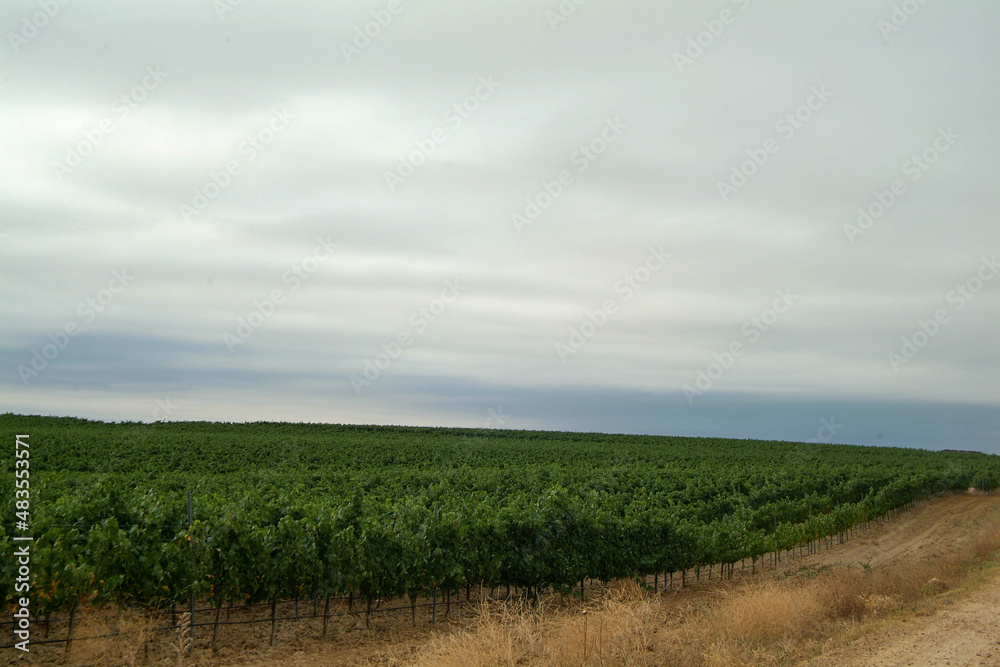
pixel 733 219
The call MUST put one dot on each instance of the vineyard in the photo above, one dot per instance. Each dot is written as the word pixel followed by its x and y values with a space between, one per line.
pixel 312 512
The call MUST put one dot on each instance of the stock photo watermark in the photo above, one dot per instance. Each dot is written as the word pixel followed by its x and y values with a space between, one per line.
pixel 786 127
pixel 364 35
pixel 163 409
pixel 957 299
pixel 496 418
pixel 248 150
pixel 704 39
pixel 582 158
pixel 23 540
pixel 752 330
pixel 122 108
pixel 264 308
pixel 914 168
pixel 828 429
pixel 901 14
pixel 88 310
pixel 454 117
pixel 562 13
pixel 223 7
pixel 33 24
pixel 420 320
pixel 626 288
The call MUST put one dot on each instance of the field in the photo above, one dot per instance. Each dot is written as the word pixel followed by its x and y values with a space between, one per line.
pixel 284 512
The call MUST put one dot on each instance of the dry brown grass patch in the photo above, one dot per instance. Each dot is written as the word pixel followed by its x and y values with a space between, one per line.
pixel 126 633
pixel 766 610
pixel 985 544
pixel 619 629
pixel 503 633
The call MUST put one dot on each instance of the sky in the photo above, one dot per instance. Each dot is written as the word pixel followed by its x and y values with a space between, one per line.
pixel 735 218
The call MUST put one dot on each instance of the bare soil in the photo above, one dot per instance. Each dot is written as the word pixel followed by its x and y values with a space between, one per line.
pixel 960 627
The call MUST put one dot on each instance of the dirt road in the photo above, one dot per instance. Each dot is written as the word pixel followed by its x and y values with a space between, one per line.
pixel 963 628
pixel 966 632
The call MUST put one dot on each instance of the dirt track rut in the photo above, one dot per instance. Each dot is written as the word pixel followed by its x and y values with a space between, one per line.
pixel 962 629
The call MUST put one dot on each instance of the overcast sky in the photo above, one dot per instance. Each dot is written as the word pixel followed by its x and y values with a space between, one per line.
pixel 746 219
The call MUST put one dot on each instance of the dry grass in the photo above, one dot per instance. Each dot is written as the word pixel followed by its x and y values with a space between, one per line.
pixel 502 634
pixel 985 544
pixel 181 644
pixel 128 632
pixel 765 610
pixel 619 629
pixel 760 620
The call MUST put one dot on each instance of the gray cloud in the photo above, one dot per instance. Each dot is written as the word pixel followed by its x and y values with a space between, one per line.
pixel 205 130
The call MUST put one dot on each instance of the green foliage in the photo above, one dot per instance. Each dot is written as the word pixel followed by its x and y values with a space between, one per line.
pixel 311 510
